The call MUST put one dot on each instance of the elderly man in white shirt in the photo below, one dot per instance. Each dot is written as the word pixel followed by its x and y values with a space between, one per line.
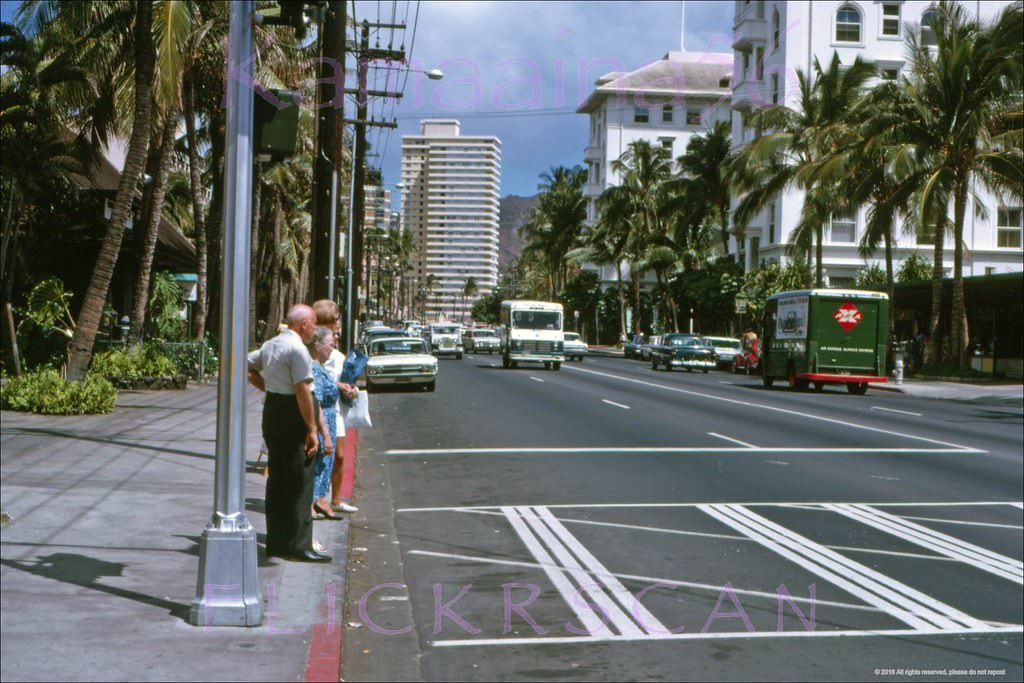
pixel 283 368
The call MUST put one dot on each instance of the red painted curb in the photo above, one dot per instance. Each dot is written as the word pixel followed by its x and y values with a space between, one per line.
pixel 324 661
pixel 348 465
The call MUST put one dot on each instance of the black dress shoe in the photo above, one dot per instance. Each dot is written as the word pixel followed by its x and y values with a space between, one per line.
pixel 307 556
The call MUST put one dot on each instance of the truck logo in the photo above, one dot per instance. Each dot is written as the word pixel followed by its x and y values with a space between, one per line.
pixel 847 316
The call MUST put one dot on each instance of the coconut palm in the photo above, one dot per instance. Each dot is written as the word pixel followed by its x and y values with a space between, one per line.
pixel 706 164
pixel 555 226
pixel 963 130
pixel 789 156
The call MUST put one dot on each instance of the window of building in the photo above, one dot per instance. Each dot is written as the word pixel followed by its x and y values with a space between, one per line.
pixel 667 143
pixel 890 74
pixel 746 64
pixel 693 117
pixel 771 223
pixel 844 228
pixel 891 19
pixel 927 30
pixel 640 115
pixel 775 30
pixel 1008 227
pixel 759 64
pixel 848 24
pixel 666 114
pixel 775 88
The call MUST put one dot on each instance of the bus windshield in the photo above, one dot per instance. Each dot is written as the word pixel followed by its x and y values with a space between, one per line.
pixel 537 320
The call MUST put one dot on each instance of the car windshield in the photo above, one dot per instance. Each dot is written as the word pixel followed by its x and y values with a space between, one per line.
pixel 443 330
pixel 537 320
pixel 484 333
pixel 724 343
pixel 572 336
pixel 684 341
pixel 390 347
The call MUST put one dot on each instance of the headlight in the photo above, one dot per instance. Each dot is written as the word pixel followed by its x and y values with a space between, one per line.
pixel 559 346
pixel 517 345
pixel 373 370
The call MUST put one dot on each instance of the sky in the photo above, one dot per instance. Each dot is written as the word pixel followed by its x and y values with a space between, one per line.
pixel 518 70
pixel 515 70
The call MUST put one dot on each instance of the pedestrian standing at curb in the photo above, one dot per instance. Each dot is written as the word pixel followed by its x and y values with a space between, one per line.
pixel 283 368
pixel 326 392
pixel 329 315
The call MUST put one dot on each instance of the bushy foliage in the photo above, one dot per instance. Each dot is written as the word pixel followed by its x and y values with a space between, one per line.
pixel 871 278
pixel 187 356
pixel 146 361
pixel 44 392
pixel 770 279
pixel 915 268
pixel 165 304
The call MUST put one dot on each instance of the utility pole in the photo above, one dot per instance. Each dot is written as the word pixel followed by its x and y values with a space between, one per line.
pixel 358 199
pixel 327 164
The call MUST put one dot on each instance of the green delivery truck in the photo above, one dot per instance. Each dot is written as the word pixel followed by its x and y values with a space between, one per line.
pixel 825 336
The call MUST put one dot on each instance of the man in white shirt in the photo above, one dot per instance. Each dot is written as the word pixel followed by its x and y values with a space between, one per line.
pixel 284 369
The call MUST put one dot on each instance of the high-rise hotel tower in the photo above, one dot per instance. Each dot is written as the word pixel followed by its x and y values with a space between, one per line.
pixel 450 204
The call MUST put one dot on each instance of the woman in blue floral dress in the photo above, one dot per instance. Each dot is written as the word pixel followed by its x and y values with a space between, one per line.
pixel 326 392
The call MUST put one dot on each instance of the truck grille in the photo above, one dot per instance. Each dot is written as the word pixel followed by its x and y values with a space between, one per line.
pixel 538 346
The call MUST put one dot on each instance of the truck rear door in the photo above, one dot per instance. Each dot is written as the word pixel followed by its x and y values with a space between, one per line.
pixel 847 334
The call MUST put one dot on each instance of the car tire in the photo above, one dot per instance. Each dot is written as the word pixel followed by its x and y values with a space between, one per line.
pixel 556 366
pixel 857 388
pixel 767 381
pixel 431 386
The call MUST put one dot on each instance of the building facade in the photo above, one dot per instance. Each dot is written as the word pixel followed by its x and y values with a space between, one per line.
pixel 774 38
pixel 451 191
pixel 666 103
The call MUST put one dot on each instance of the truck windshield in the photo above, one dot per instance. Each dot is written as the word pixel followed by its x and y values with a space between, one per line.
pixel 537 320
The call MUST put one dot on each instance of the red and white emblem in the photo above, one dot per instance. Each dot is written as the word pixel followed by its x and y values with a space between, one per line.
pixel 847 316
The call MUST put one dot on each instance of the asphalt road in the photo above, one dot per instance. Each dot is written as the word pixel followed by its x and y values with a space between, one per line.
pixel 610 522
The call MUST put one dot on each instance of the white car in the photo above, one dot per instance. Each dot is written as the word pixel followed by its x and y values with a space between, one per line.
pixel 725 348
pixel 480 340
pixel 400 360
pixel 445 338
pixel 574 347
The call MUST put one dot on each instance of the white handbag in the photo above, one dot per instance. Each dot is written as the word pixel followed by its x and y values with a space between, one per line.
pixel 356 415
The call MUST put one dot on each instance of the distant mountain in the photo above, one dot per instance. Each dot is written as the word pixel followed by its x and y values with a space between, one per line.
pixel 515 211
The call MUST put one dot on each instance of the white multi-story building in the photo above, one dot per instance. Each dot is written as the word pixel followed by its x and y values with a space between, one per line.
pixel 451 187
pixel 774 38
pixel 666 103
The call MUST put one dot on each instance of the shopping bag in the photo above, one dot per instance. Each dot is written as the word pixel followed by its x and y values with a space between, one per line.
pixel 353 367
pixel 357 414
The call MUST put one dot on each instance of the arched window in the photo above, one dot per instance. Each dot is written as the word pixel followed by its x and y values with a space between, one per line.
pixel 928 27
pixel 848 24
pixel 775 29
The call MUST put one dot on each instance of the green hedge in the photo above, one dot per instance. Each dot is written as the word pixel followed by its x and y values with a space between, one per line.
pixel 44 392
pixel 131 364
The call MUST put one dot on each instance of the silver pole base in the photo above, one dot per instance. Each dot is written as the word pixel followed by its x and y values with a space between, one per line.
pixel 227 589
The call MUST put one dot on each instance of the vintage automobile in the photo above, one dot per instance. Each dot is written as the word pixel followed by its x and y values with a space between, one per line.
pixel 645 348
pixel 682 351
pixel 748 358
pixel 371 333
pixel 480 340
pixel 445 338
pixel 725 348
pixel 631 349
pixel 400 360
pixel 574 347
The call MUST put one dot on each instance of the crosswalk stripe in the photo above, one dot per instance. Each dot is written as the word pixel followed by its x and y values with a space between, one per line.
pixel 943 544
pixel 897 599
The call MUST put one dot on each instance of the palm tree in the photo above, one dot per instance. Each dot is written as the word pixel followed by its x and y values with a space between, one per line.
pixel 789 157
pixel 964 130
pixel 557 222
pixel 469 290
pixel 706 165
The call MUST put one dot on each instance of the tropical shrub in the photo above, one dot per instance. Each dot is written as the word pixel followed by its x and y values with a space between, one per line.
pixel 146 361
pixel 44 392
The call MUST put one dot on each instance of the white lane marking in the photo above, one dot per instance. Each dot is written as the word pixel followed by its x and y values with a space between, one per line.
pixel 536 379
pixel 963 522
pixel 640 614
pixel 587 616
pixel 893 410
pixel 897 599
pixel 1019 506
pixel 877 633
pixel 671 450
pixel 729 438
pixel 935 541
pixel 613 403
pixel 601 600
pixel 787 411
pixel 612 506
pixel 778 462
pixel 650 580
pixel 884 478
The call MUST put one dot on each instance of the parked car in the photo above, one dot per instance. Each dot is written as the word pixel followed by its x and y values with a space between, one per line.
pixel 371 333
pixel 748 358
pixel 445 338
pixel 400 360
pixel 682 351
pixel 725 348
pixel 480 340
pixel 645 349
pixel 631 349
pixel 574 347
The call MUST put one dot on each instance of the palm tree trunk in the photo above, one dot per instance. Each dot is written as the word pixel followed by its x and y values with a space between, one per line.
pixel 959 340
pixel 275 314
pixel 818 249
pixel 96 294
pixel 622 302
pixel 254 249
pixel 151 219
pixel 890 323
pixel 931 349
pixel 198 211
pixel 215 217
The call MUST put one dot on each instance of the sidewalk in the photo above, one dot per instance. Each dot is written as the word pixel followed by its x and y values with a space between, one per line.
pixel 99 552
pixel 955 391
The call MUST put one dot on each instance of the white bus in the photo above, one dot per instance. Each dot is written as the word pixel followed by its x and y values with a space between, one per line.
pixel 531 331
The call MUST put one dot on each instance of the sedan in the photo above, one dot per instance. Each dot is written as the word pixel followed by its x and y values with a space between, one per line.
pixel 725 348
pixel 400 360
pixel 682 351
pixel 480 340
pixel 574 347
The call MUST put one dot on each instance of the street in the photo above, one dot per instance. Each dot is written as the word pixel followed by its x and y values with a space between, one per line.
pixel 609 522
